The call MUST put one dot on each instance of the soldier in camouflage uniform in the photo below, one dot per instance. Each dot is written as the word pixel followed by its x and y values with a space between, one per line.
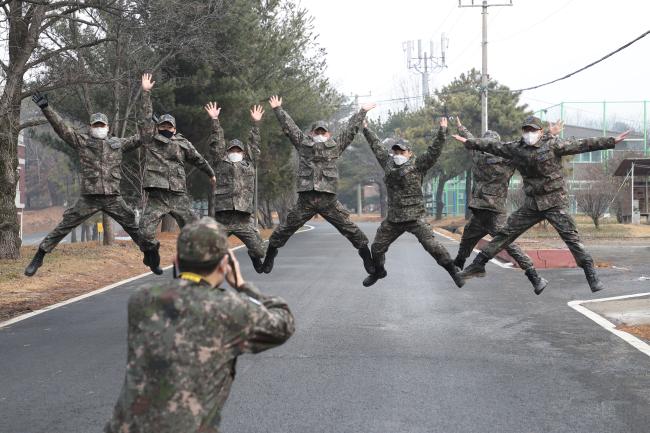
pixel 100 159
pixel 164 177
pixel 184 337
pixel 317 182
pixel 491 175
pixel 538 157
pixel 235 165
pixel 406 212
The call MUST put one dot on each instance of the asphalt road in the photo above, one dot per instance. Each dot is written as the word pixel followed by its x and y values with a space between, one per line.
pixel 411 354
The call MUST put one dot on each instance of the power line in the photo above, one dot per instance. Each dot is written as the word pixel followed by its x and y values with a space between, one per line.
pixel 586 67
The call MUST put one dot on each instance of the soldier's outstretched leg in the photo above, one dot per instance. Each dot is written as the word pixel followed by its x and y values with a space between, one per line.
pixel 334 213
pixel 472 234
pixel 564 224
pixel 180 207
pixel 250 236
pixel 83 209
pixel 298 216
pixel 387 233
pixel 518 222
pixel 422 231
pixel 153 213
pixel 494 222
pixel 117 209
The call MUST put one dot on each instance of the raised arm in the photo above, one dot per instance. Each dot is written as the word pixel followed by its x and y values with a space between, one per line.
pixel 378 149
pixel 254 136
pixel 60 126
pixel 462 131
pixel 428 159
pixel 148 124
pixel 289 127
pixel 217 139
pixel 488 145
pixel 573 146
pixel 352 128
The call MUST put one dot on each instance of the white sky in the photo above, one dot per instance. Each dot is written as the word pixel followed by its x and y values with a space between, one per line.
pixel 532 42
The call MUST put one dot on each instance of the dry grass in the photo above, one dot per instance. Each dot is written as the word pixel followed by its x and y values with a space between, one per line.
pixel 74 269
pixel 641 331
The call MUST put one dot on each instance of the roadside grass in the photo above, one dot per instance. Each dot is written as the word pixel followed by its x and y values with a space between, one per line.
pixel 74 269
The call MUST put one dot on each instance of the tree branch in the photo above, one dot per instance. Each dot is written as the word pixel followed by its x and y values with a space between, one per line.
pixel 51 54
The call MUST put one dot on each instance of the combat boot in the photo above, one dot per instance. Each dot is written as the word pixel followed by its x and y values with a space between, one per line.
pixel 372 278
pixel 476 268
pixel 455 274
pixel 36 263
pixel 258 265
pixel 267 266
pixel 459 262
pixel 594 283
pixel 539 283
pixel 152 259
pixel 368 264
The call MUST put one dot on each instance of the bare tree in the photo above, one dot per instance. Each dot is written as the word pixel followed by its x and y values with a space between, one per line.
pixel 594 199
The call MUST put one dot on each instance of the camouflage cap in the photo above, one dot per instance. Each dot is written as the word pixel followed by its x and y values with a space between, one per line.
pixel 98 118
pixel 492 135
pixel 203 242
pixel 235 143
pixel 401 144
pixel 321 124
pixel 167 118
pixel 533 122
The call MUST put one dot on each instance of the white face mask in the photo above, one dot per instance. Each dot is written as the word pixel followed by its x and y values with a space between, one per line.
pixel 320 138
pixel 531 138
pixel 235 156
pixel 399 159
pixel 100 133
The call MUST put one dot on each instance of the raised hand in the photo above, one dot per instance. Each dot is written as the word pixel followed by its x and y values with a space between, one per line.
pixel 620 137
pixel 40 100
pixel 275 101
pixel 368 106
pixel 213 110
pixel 459 138
pixel 257 112
pixel 443 122
pixel 147 84
pixel 556 128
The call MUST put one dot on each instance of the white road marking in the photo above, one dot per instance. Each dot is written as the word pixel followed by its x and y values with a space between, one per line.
pixel 98 291
pixel 635 342
pixel 494 261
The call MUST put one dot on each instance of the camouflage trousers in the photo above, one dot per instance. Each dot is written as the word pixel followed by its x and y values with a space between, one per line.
pixel 526 216
pixel 388 232
pixel 485 222
pixel 85 207
pixel 325 204
pixel 242 226
pixel 160 203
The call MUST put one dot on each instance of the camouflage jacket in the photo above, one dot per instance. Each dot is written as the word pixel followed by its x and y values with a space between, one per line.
pixel 317 169
pixel 166 157
pixel 404 182
pixel 540 164
pixel 235 180
pixel 100 160
pixel 490 178
pixel 183 340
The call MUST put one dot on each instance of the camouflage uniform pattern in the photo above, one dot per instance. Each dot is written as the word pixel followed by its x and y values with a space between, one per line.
pixel 100 170
pixel 491 175
pixel 318 181
pixel 546 195
pixel 184 337
pixel 165 178
pixel 233 199
pixel 406 209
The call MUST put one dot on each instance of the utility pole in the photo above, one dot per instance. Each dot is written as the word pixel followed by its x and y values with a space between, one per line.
pixel 425 62
pixel 484 66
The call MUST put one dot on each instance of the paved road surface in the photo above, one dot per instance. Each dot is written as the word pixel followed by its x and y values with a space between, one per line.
pixel 411 354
